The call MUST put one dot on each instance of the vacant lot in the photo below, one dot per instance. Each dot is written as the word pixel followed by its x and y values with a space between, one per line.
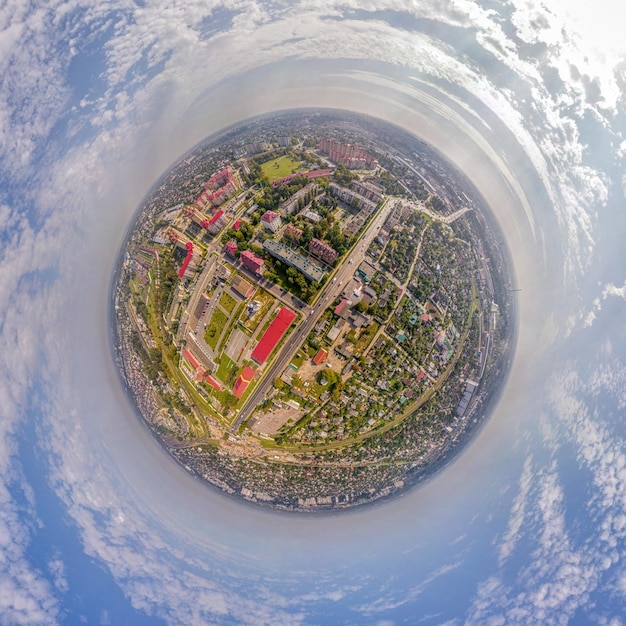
pixel 279 168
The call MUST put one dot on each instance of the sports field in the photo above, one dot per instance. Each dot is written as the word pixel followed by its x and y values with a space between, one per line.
pixel 279 168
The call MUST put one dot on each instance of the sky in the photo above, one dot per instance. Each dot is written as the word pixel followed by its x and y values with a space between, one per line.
pixel 98 524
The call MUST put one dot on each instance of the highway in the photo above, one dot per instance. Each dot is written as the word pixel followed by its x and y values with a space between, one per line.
pixel 312 314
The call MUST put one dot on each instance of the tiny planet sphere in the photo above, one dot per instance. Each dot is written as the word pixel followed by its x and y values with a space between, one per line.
pixel 313 310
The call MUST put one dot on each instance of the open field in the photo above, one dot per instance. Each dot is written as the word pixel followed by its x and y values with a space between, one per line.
pixel 215 327
pixel 279 168
pixel 227 302
pixel 226 370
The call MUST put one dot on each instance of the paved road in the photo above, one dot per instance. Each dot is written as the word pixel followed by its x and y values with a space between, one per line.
pixel 311 316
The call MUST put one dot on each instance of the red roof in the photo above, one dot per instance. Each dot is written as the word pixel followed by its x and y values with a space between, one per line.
pixel 216 217
pixel 237 224
pixel 420 375
pixel 320 357
pixel 272 335
pixel 183 267
pixel 339 308
pixel 269 216
pixel 230 247
pixel 251 260
pixel 213 383
pixel 191 359
pixel 243 381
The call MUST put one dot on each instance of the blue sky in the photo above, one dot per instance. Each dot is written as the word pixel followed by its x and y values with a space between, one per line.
pixel 528 525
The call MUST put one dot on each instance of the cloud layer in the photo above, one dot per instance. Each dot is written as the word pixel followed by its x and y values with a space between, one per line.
pixel 96 102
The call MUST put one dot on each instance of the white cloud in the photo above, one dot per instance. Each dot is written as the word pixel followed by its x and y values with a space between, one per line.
pixel 66 196
pixel 613 290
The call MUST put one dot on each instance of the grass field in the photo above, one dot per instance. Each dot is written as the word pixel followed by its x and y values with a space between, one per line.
pixel 226 370
pixel 228 303
pixel 215 327
pixel 279 168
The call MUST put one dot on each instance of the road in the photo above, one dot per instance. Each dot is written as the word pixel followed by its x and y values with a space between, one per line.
pixel 312 314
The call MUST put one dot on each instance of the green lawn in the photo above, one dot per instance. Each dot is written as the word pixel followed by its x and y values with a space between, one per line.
pixel 226 370
pixel 279 168
pixel 215 327
pixel 228 303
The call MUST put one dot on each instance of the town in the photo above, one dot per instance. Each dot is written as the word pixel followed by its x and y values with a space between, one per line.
pixel 306 319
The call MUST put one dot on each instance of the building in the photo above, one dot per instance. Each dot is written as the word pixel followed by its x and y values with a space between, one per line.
pixel 230 247
pixel 218 189
pixel 252 261
pixel 273 335
pixel 336 330
pixel 256 147
pixel 271 221
pixel 348 154
pixel 242 287
pixel 293 233
pixel 322 250
pixel 320 357
pixel 200 351
pixel 187 261
pixel 312 216
pixel 343 306
pixel 367 271
pixel 353 198
pixel 217 222
pixel 280 251
pixel 296 201
pixel 368 190
pixel 245 378
pixel 190 364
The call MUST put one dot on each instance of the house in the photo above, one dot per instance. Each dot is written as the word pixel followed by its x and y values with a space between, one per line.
pixel 271 221
pixel 230 247
pixel 252 261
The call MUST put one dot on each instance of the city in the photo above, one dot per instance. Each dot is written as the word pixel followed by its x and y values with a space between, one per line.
pixel 306 319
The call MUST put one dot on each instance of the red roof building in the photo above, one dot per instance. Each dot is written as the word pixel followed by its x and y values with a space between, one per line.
pixel 213 383
pixel 237 224
pixel 322 250
pixel 194 363
pixel 183 267
pixel 320 357
pixel 273 335
pixel 271 221
pixel 341 306
pixel 252 261
pixel 230 247
pixel 292 232
pixel 243 381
